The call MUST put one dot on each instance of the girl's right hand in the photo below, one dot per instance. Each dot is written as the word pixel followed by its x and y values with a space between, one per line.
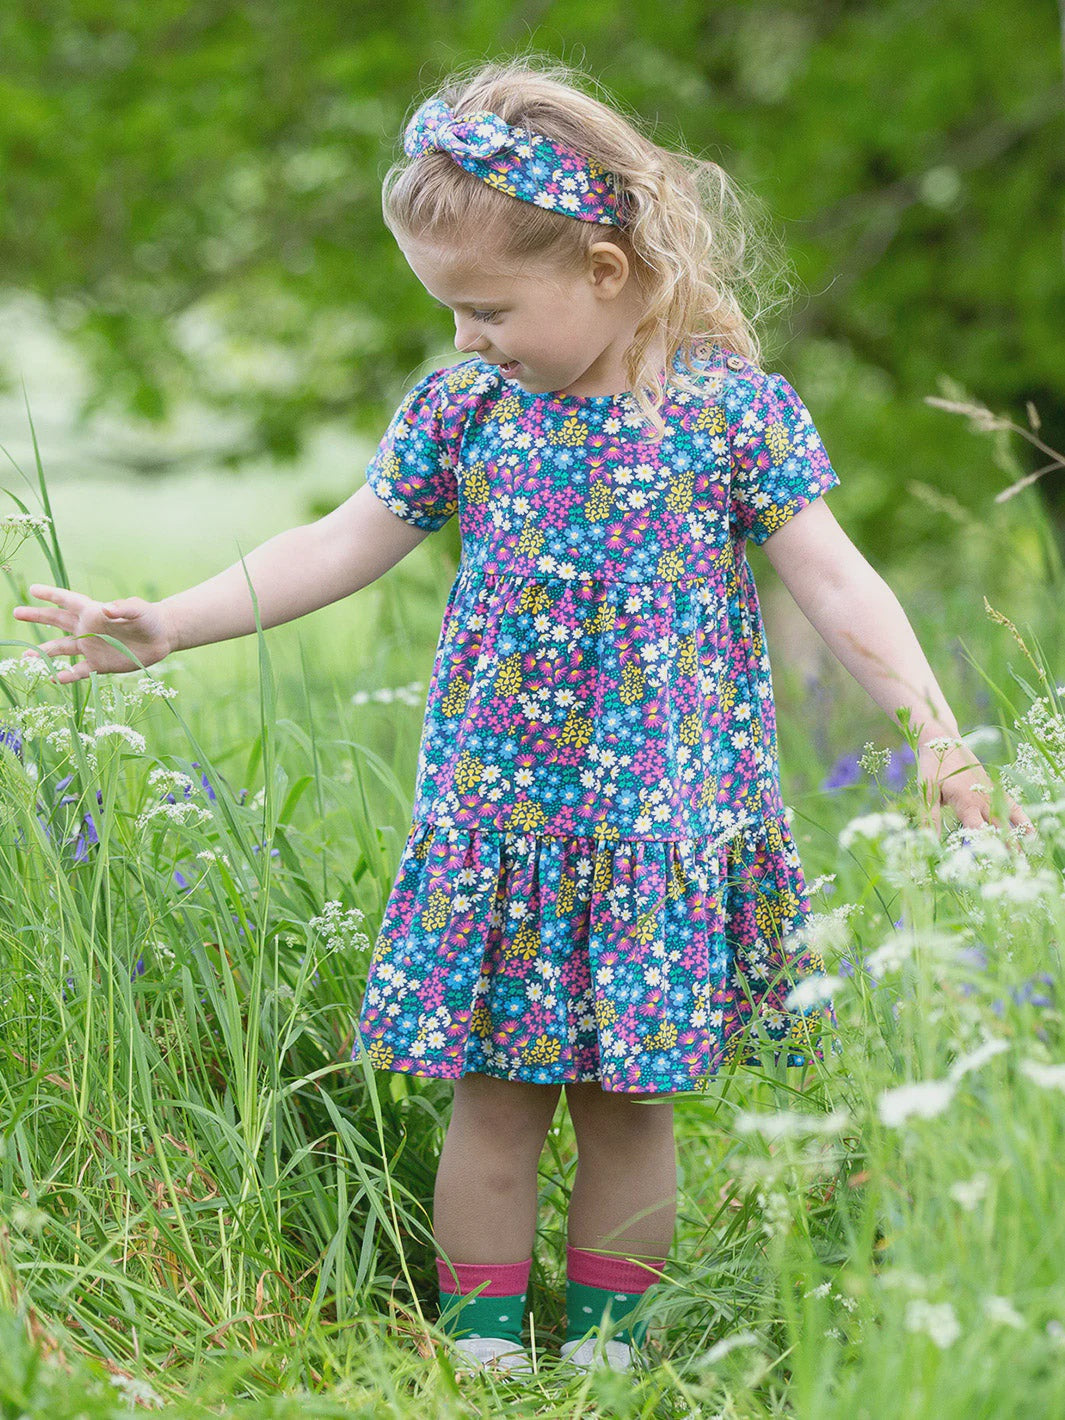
pixel 138 624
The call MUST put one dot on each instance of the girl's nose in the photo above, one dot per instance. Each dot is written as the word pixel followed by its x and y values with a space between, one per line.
pixel 468 337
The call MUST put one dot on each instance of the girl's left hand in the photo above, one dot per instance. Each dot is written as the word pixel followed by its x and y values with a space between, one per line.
pixel 950 774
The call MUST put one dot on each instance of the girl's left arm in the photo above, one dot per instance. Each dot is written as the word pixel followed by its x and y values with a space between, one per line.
pixel 862 622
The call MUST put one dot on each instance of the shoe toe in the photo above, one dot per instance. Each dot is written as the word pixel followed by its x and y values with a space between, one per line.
pixel 494 1352
pixel 591 1352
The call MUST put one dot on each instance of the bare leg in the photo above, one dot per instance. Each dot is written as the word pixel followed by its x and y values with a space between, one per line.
pixel 486 1181
pixel 624 1197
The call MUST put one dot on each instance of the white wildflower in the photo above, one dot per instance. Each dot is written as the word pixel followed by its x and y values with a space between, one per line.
pixel 1002 1309
pixel 39 721
pixel 873 760
pixel 935 1319
pixel 147 688
pixel 169 781
pixel 811 991
pixel 967 1193
pixel 820 883
pixel 870 826
pixel 181 813
pixel 923 1099
pixel 823 1290
pixel 410 694
pixel 340 929
pixel 990 1048
pixel 942 745
pixel 208 855
pixel 1022 885
pixel 1048 1077
pixel 31 668
pixel 721 1348
pixel 776 1212
pixel 133 738
pixel 137 1392
pixel 782 1123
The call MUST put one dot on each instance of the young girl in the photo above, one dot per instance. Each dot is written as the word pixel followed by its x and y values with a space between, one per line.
pixel 600 887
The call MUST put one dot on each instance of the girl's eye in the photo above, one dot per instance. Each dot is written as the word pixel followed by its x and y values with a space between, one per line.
pixel 484 315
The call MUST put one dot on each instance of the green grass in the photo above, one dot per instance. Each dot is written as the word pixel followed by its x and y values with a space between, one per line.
pixel 201 1195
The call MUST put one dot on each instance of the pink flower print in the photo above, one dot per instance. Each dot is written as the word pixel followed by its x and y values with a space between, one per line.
pixel 647 762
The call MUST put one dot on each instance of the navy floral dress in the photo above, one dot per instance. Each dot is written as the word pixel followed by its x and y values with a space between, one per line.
pixel 599 882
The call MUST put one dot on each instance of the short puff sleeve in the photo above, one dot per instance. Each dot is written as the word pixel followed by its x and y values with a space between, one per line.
pixel 778 462
pixel 415 469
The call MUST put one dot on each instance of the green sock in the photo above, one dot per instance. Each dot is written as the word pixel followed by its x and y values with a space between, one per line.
pixel 482 1316
pixel 586 1305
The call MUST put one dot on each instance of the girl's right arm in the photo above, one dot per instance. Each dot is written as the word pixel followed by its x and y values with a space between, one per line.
pixel 294 573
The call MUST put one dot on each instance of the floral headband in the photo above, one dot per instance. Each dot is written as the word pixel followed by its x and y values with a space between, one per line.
pixel 522 164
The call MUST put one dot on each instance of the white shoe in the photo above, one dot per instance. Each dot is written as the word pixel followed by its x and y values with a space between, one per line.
pixel 495 1353
pixel 593 1351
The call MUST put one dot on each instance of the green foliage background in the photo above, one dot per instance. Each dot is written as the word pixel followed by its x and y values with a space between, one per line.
pixel 193 191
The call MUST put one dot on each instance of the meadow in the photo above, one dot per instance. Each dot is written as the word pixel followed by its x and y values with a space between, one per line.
pixel 207 1208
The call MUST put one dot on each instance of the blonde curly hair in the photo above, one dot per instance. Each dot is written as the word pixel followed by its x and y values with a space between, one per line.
pixel 699 248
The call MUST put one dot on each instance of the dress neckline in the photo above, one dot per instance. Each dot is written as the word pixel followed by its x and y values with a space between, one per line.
pixel 621 397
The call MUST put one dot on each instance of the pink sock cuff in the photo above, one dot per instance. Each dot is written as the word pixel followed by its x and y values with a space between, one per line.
pixel 612 1273
pixel 505 1279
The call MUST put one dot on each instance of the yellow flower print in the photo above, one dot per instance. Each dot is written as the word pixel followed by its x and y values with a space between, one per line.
pixel 670 565
pixel 422 849
pixel 776 517
pixel 545 1050
pixel 678 882
pixel 454 702
pixel 390 465
pixel 664 1038
pixel 632 684
pixel 679 497
pixel 606 1013
pixel 509 407
pixel 726 692
pixel 436 914
pixel 600 503
pixel 711 418
pixel 475 484
pixel 382 949
pixel 508 681
pixel 577 730
pixel 526 818
pixel 773 836
pixel 691 728
pixel 602 876
pixel 531 541
pixel 499 180
pixel 534 597
pixel 481 1021
pixel 646 927
pixel 468 772
pixel 777 440
pixel 686 662
pixel 458 378
pixel 524 944
pixel 572 433
pixel 567 897
pixel 603 620
pixel 381 1056
pixel 708 791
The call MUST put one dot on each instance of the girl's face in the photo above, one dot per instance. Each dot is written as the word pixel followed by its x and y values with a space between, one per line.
pixel 550 329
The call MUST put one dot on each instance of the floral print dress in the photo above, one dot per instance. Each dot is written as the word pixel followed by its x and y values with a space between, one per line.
pixel 599 881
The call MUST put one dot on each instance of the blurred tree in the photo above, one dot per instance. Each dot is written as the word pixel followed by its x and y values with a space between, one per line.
pixel 193 191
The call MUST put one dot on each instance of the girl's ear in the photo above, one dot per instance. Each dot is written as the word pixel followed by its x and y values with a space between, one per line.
pixel 608 269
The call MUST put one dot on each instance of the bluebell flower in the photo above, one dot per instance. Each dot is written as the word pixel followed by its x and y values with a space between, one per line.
pixel 843 773
pixel 12 740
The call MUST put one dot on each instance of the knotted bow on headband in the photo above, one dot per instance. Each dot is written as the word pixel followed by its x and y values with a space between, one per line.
pixel 520 163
